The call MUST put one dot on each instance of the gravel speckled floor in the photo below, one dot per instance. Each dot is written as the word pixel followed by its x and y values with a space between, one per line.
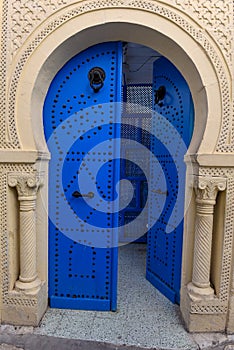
pixel 144 318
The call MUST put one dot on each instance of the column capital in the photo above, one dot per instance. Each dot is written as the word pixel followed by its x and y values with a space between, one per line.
pixel 206 188
pixel 26 184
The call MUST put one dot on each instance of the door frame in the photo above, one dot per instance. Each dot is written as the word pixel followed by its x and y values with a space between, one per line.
pixel 159 28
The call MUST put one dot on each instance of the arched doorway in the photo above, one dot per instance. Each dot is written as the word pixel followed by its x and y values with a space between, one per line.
pixel 152 29
pixel 82 112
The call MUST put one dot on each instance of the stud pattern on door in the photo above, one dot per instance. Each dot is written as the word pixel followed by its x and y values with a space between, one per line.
pixel 77 119
pixel 165 249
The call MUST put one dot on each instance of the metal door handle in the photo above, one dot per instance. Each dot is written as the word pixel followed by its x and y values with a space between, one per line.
pixel 160 192
pixel 77 194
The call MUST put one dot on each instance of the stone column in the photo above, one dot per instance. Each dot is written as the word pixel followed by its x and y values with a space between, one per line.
pixel 27 186
pixel 206 193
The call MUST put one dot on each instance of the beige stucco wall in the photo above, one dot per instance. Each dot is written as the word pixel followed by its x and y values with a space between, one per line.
pixel 37 39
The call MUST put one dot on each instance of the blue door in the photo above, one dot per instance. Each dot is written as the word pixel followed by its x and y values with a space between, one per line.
pixel 172 125
pixel 81 121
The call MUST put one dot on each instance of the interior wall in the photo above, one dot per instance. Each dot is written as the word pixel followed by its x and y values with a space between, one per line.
pixel 138 63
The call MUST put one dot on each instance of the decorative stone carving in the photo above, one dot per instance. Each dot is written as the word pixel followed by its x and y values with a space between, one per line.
pixel 207 189
pixel 206 193
pixel 26 15
pixel 216 16
pixel 27 186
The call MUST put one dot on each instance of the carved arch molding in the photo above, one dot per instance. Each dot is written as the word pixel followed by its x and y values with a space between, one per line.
pixel 21 18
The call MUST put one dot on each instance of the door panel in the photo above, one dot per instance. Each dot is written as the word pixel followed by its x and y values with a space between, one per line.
pixel 81 127
pixel 168 147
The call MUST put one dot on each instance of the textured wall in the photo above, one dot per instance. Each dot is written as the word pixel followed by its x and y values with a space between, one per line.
pixel 22 17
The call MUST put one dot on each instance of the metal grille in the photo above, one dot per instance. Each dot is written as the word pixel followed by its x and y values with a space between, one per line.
pixel 138 98
pixel 136 117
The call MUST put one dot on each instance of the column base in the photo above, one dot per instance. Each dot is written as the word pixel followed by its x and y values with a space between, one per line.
pixel 202 315
pixel 31 288
pixel 230 319
pixel 25 310
pixel 197 293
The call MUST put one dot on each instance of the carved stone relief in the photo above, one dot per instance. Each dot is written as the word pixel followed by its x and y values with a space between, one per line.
pixel 207 188
pixel 224 145
pixel 212 15
pixel 26 15
pixel 216 17
pixel 26 184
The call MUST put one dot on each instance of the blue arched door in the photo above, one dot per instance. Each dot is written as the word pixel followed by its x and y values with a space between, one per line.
pixel 171 132
pixel 79 114
pixel 82 129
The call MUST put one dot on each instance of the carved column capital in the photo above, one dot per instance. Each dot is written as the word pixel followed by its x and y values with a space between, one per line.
pixel 26 184
pixel 206 188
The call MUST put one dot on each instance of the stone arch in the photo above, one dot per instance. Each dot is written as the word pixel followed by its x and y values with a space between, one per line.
pixel 80 31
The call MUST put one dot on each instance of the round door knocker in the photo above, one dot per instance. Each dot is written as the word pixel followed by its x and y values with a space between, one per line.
pixel 96 77
pixel 159 94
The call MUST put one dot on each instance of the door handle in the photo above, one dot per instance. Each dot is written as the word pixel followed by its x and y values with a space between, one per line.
pixel 160 192
pixel 77 194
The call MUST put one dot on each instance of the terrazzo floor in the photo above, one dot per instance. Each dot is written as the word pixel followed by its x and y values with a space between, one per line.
pixel 144 317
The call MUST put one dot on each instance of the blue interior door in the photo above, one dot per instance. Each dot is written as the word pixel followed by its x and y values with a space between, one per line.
pixel 81 121
pixel 172 126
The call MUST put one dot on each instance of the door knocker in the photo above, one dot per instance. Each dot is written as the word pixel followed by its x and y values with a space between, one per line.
pixel 159 94
pixel 96 77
